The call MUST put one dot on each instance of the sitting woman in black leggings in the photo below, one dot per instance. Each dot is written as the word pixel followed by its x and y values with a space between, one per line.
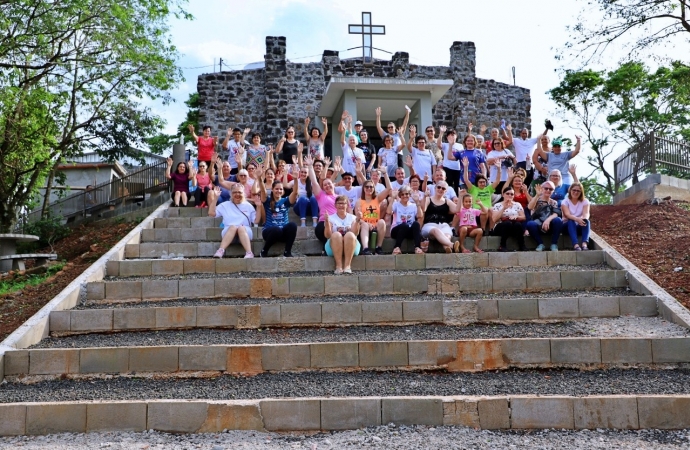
pixel 509 218
pixel 278 227
pixel 406 217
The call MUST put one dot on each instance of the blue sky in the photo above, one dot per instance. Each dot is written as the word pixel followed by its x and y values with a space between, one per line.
pixel 506 34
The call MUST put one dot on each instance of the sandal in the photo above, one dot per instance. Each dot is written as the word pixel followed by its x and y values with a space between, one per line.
pixel 448 249
pixel 464 250
pixel 456 246
pixel 478 250
pixel 418 251
pixel 576 248
pixel 396 251
pixel 584 246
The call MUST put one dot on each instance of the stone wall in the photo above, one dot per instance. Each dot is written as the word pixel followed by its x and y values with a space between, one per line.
pixel 284 93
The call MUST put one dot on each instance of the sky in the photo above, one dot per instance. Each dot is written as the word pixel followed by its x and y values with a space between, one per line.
pixel 506 34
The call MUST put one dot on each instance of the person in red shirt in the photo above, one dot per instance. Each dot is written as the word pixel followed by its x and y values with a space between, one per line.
pixel 206 145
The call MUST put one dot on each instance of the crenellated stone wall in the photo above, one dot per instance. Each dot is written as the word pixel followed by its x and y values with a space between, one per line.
pixel 283 93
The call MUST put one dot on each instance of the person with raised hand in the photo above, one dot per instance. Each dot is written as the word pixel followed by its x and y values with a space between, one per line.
pixel 238 218
pixel 558 159
pixel 234 143
pixel 341 230
pixel 288 146
pixel 388 156
pixel 277 226
pixel 450 165
pixel 369 207
pixel 315 138
pixel 396 134
pixel 325 197
pixel 203 183
pixel 351 154
pixel 423 160
pixel 509 217
pixel 180 179
pixel 481 193
pixel 406 216
pixel 206 145
pixel 467 225
pixel 475 158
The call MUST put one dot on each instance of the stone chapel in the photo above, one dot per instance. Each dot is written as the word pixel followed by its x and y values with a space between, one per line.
pixel 268 99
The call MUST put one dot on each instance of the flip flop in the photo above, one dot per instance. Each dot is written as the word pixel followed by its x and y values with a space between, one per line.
pixel 479 250
pixel 418 251
pixel 466 251
pixel 396 251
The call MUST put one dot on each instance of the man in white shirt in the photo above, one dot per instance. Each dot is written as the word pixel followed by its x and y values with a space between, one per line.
pixel 235 146
pixel 440 175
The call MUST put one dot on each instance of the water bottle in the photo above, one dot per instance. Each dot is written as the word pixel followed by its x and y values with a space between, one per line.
pixel 374 239
pixel 503 124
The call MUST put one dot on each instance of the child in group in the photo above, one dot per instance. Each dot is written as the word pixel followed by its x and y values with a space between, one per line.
pixel 467 224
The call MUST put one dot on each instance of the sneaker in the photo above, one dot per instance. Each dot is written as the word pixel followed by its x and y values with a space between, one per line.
pixel 540 247
pixel 347 270
pixel 379 251
pixel 366 252
pixel 502 249
pixel 248 255
pixel 554 247
pixel 287 254
pixel 338 271
pixel 263 253
pixel 303 222
pixel 219 253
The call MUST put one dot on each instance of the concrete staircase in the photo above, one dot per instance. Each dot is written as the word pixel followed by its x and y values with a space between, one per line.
pixel 196 344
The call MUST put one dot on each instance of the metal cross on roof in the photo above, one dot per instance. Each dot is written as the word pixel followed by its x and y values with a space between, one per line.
pixel 367 30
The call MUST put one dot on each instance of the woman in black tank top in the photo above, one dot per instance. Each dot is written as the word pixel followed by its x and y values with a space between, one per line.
pixel 438 214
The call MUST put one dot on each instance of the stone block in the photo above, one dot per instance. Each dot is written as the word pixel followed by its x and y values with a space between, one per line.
pixel 459 312
pixel 60 320
pixel 410 262
pixel 439 260
pixel 494 413
pixel 577 280
pixel 575 351
pixel 216 316
pixel 526 259
pixel 671 350
pixel 542 412
pixel 379 312
pixel 319 264
pixel 199 266
pixel 478 355
pixel 131 251
pixel 350 413
pixel 262 265
pixel 599 307
pixel 232 287
pixel 202 222
pixel 500 259
pixel 175 416
pixel 152 250
pixel 116 417
pixel 443 283
pixel 180 222
pixel 54 418
pixel 231 265
pixel 558 308
pixel 424 311
pixel 409 284
pixel 291 415
pixel 280 287
pixel 176 317
pixel 248 316
pixel 487 309
pixel 609 278
pixel 664 412
pixel 134 319
pixel 626 350
pixel 95 290
pixel 376 284
pixel 476 282
pixel 350 312
pixel 244 360
pixel 509 281
pixel 167 267
pixel 341 284
pixel 123 290
pixel 203 357
pixel 104 360
pixel 412 411
pixel 471 260
pixel 192 234
pixel 461 412
pixel 519 352
pixel 431 353
pixel 306 285
pixel 540 281
pixel 53 361
pixel 382 354
pixel 615 411
pixel 92 320
pixel 338 354
pixel 197 288
pixel 300 313
pixel 242 415
pixel 285 357
pixel 518 309
pixel 642 306
pixel 589 257
pixel 270 314
pixel 153 359
pixel 112 268
pixel 160 289
pixel 186 249
pixel 558 258
pixel 12 420
pixel 135 268
pixel 295 264
pixel 16 362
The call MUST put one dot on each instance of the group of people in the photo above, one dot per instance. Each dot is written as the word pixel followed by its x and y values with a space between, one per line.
pixel 466 190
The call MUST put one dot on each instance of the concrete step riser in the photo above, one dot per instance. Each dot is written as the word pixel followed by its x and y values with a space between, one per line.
pixel 449 312
pixel 622 412
pixel 354 284
pixel 453 356
pixel 149 267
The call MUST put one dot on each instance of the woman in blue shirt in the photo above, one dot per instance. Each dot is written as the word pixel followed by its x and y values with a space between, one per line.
pixel 277 227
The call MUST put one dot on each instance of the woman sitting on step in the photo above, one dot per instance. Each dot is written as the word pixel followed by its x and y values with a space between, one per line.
pixel 278 227
pixel 180 181
pixel 341 230
pixel 369 206
pixel 202 182
pixel 438 215
pixel 546 217
pixel 509 217
pixel 575 209
pixel 405 224
pixel 238 216
pixel 306 201
pixel 325 197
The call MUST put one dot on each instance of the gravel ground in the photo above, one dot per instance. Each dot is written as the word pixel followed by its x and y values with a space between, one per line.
pixel 558 268
pixel 388 437
pixel 596 327
pixel 611 292
pixel 358 384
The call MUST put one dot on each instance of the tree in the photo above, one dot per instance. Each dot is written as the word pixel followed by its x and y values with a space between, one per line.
pixel 161 142
pixel 622 106
pixel 71 77
pixel 647 23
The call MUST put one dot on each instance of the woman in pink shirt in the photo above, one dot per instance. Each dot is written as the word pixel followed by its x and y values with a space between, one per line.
pixel 202 181
pixel 325 197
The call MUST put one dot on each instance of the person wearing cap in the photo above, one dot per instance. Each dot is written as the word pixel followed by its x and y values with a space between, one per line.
pixel 347 189
pixel 345 126
pixel 451 167
pixel 558 159
pixel 351 154
pixel 546 217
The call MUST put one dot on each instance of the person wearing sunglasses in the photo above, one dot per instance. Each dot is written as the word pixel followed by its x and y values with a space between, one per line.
pixel 288 146
pixel 341 230
pixel 575 210
pixel 546 217
pixel 238 218
pixel 406 216
pixel 509 218
pixel 558 159
pixel 373 227
pixel 391 130
pixel 438 215
pixel 202 182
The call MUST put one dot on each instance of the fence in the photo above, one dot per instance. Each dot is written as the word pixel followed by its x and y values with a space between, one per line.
pixel 133 187
pixel 654 154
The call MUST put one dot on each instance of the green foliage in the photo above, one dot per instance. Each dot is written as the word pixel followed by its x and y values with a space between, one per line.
pixel 49 230
pixel 19 283
pixel 596 192
pixel 69 72
pixel 161 143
